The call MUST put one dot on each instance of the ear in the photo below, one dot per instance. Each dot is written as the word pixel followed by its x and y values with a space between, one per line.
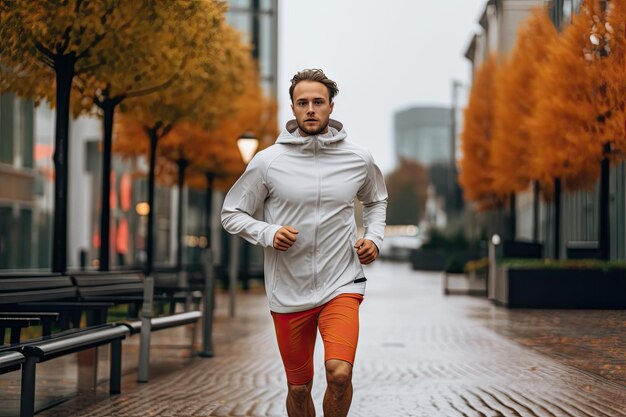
pixel 292 109
pixel 332 106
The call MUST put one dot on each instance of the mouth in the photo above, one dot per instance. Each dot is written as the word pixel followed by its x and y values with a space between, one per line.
pixel 310 120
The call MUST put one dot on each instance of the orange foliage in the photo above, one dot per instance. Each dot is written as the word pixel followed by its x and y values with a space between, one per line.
pixel 575 111
pixel 514 101
pixel 475 165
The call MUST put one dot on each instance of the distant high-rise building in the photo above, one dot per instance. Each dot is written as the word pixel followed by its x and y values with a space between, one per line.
pixel 423 134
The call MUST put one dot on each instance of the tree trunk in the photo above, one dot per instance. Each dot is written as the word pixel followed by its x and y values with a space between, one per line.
pixel 557 218
pixel 536 211
pixel 108 108
pixel 154 138
pixel 182 167
pixel 64 71
pixel 604 238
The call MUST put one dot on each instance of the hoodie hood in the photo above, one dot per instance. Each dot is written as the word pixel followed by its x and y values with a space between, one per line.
pixel 291 135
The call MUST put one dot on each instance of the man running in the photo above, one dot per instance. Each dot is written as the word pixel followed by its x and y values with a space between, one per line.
pixel 306 184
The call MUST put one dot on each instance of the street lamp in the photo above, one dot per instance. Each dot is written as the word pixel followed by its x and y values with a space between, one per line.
pixel 247 144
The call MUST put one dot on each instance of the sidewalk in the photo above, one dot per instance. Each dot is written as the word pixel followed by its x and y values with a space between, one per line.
pixel 420 354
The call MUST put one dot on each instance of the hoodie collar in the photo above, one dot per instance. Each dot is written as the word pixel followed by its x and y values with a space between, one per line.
pixel 291 133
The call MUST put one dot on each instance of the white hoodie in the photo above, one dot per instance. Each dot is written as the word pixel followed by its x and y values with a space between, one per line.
pixel 309 183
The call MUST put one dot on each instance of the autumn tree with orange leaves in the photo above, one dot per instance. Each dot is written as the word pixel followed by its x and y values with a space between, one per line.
pixel 475 165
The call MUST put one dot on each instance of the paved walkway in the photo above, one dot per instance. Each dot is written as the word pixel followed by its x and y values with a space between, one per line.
pixel 420 354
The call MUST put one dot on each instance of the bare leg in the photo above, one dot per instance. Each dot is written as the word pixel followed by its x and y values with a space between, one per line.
pixel 338 394
pixel 299 401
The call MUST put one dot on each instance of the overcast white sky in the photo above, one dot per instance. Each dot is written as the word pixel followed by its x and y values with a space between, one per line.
pixel 384 55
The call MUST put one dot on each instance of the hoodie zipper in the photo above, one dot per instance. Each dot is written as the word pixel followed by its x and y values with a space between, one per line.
pixel 317 214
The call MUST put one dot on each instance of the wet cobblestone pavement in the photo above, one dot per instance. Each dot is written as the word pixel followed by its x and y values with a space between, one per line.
pixel 420 354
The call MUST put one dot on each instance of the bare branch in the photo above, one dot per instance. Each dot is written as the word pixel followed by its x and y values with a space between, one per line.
pixel 66 40
pixel 44 51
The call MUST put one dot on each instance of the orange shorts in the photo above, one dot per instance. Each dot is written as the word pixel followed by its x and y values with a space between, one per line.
pixel 338 322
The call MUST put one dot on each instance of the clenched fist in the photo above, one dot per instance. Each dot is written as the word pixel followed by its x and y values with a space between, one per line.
pixel 367 251
pixel 285 238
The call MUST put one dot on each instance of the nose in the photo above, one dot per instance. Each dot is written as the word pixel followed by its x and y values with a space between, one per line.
pixel 310 109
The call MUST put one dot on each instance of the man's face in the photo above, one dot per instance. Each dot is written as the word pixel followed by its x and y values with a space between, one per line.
pixel 312 107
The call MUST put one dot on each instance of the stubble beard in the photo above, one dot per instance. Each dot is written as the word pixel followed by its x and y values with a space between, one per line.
pixel 313 132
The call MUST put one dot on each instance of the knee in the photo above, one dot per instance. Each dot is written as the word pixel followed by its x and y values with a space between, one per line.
pixel 299 392
pixel 339 377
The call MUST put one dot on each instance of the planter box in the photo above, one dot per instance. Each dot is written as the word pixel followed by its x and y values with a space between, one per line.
pixel 467 284
pixel 429 259
pixel 560 288
pixel 436 259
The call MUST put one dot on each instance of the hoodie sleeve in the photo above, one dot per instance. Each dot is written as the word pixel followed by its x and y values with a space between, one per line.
pixel 373 195
pixel 243 200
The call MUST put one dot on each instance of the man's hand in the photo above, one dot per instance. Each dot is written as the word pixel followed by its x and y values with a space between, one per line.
pixel 285 238
pixel 367 251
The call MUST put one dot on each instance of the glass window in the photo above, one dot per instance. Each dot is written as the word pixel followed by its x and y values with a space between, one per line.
pixel 265 45
pixel 7 123
pixel 28 142
pixel 44 239
pixel 6 219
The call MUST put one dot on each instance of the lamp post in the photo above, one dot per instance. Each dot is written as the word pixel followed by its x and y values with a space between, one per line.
pixel 247 144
